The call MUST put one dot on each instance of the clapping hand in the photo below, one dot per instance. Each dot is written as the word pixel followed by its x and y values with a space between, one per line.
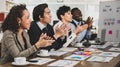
pixel 89 21
pixel 44 41
pixel 61 30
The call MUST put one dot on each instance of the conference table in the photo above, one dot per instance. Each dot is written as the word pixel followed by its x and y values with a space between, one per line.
pixel 113 63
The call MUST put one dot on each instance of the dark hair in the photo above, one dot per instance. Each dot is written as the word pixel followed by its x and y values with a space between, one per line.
pixel 39 11
pixel 62 10
pixel 74 9
pixel 11 22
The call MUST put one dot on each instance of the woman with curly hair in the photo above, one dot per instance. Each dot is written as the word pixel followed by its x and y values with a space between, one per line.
pixel 15 42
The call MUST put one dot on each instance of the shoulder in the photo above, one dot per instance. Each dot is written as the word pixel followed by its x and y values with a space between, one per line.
pixel 33 26
pixel 33 23
pixel 8 33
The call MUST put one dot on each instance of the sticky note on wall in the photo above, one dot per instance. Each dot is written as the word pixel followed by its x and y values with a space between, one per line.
pixel 110 32
pixel 118 21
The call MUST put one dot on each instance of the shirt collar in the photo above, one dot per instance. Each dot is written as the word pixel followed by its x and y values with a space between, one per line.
pixel 40 25
pixel 76 22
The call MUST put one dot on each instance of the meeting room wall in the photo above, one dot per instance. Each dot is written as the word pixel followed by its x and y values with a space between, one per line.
pixel 87 10
pixel 54 7
pixel 109 22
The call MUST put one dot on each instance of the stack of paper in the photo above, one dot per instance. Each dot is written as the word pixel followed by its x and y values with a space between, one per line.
pixel 41 60
pixel 101 46
pixel 100 58
pixel 68 49
pixel 63 63
pixel 57 53
pixel 115 44
pixel 111 54
pixel 114 49
pixel 77 57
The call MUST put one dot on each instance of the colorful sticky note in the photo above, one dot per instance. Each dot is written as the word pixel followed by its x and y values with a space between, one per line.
pixel 110 32
pixel 118 21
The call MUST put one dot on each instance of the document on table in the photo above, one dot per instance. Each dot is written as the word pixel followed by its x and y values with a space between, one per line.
pixel 100 58
pixel 57 53
pixel 101 46
pixel 98 46
pixel 41 61
pixel 114 49
pixel 63 63
pixel 68 49
pixel 77 57
pixel 112 54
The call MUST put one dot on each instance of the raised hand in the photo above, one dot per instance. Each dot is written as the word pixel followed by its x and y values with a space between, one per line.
pixel 89 21
pixel 44 41
pixel 80 28
pixel 61 30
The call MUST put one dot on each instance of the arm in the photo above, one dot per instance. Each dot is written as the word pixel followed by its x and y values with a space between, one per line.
pixel 14 50
pixel 80 28
pixel 85 26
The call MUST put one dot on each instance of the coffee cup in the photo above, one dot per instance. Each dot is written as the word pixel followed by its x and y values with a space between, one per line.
pixel 20 60
pixel 44 52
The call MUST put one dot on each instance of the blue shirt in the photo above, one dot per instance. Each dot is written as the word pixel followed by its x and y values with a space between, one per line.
pixel 80 35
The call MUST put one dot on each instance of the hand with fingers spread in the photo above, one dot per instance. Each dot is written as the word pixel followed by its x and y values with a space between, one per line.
pixel 80 28
pixel 65 28
pixel 44 41
pixel 89 21
pixel 61 30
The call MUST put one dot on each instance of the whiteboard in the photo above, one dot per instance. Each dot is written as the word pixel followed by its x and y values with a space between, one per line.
pixel 109 21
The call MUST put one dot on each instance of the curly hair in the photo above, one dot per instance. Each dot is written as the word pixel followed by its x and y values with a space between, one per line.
pixel 62 10
pixel 11 22
pixel 39 11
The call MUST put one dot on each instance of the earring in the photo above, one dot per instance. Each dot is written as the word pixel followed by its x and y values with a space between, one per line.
pixel 19 24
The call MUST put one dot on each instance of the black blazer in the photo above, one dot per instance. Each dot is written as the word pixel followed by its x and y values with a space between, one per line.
pixel 35 32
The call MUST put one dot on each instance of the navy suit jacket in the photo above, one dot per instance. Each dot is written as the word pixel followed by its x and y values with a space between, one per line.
pixel 35 32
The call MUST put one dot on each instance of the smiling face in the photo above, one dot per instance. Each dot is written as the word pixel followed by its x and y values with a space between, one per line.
pixel 67 17
pixel 46 17
pixel 77 15
pixel 25 21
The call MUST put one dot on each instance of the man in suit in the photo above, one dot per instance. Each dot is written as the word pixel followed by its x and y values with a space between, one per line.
pixel 77 20
pixel 40 24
